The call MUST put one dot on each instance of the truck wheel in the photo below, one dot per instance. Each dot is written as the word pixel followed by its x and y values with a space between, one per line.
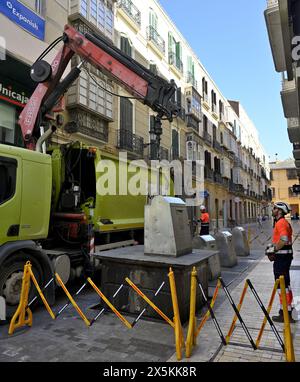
pixel 11 274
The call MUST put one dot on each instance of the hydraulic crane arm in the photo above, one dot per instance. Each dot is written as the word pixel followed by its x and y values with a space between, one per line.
pixel 149 88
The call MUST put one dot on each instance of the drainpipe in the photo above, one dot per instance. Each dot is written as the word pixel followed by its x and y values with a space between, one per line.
pixel 43 138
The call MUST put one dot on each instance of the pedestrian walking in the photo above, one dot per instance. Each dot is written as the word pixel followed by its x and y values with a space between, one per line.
pixel 205 220
pixel 259 221
pixel 280 252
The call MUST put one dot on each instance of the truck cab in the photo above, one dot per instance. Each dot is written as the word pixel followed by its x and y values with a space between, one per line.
pixel 25 200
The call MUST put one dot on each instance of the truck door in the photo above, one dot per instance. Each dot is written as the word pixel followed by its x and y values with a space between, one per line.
pixel 9 198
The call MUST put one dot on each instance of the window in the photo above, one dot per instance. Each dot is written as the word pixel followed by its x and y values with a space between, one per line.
pixel 126 115
pixel 99 13
pixel 125 46
pixel 273 193
pixel 175 52
pixel 86 92
pixel 291 173
pixel 175 144
pixel 35 5
pixel 153 19
pixel 205 124
pixel 8 176
pixel 153 68
pixel 7 123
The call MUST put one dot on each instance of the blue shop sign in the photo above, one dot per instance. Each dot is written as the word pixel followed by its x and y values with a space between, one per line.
pixel 24 17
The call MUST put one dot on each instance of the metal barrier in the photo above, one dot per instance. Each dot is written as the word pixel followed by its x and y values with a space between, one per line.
pixel 193 331
pixel 23 314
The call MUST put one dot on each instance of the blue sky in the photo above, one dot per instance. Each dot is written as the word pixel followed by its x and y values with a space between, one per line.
pixel 231 40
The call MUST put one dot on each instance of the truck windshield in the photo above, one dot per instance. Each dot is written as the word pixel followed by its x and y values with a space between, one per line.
pixel 8 176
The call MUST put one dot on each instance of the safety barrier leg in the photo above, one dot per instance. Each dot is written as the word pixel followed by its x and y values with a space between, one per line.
pixel 289 346
pixel 267 316
pixel 217 326
pixel 179 340
pixel 236 317
pixel 117 313
pixel 41 295
pixel 149 302
pixel 79 311
pixel 191 340
pixel 238 314
pixel 19 319
pixel 206 317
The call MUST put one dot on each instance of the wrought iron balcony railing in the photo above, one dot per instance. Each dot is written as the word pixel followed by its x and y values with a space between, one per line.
pixel 217 146
pixel 130 142
pixel 131 10
pixel 190 79
pixel 191 122
pixel 208 173
pixel 175 61
pixel 207 138
pixel 156 39
pixel 88 124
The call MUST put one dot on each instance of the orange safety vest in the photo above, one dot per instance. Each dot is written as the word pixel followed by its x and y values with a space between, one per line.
pixel 204 218
pixel 283 231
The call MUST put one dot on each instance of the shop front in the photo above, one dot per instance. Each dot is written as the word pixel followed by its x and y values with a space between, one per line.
pixel 16 87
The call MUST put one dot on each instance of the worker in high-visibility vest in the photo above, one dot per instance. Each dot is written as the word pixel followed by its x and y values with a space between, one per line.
pixel 280 252
pixel 205 220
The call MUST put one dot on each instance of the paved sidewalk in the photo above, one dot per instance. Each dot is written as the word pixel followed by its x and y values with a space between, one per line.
pixel 209 347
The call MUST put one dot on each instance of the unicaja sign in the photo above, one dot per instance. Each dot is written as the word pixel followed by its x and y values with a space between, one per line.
pixel 2 49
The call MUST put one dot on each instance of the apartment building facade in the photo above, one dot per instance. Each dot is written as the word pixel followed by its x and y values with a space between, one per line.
pixel 283 177
pixel 209 128
pixel 283 25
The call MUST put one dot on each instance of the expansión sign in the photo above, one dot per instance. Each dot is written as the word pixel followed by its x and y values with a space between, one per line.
pixel 24 17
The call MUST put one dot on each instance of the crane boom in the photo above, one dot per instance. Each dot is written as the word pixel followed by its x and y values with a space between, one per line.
pixel 149 88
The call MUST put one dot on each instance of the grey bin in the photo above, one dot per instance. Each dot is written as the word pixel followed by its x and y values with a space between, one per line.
pixel 226 249
pixel 208 242
pixel 240 242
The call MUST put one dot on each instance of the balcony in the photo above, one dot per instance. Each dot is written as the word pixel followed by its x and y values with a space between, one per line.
pixel 207 138
pixel 130 142
pixel 176 62
pixel 87 124
pixel 208 173
pixel 151 153
pixel 190 79
pixel 236 188
pixel 206 101
pixel 130 11
pixel 273 21
pixel 193 102
pixel 193 123
pixel 214 110
pixel 294 130
pixel 156 40
pixel 97 14
pixel 289 98
pixel 218 178
pixel 238 163
pixel 217 146
pixel 296 151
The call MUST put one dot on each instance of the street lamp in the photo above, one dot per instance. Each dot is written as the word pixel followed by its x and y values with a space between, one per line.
pixel 155 136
